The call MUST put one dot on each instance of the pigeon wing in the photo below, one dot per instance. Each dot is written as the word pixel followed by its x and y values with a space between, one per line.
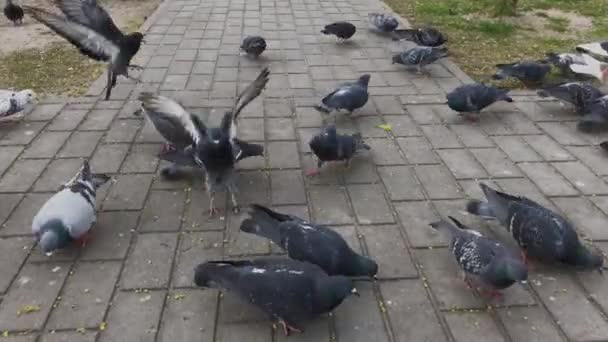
pixel 252 91
pixel 91 15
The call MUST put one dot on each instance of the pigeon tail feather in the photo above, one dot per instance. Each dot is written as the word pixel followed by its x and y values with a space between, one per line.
pixel 480 208
pixel 262 223
pixel 216 274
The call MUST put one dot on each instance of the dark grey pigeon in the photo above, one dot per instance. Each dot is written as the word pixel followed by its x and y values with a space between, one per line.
pixel 541 233
pixel 69 214
pixel 349 96
pixel 472 98
pixel 341 29
pixel 13 12
pixel 596 118
pixel 305 241
pixel 383 22
pixel 423 36
pixel 485 261
pixel 290 291
pixel 579 94
pixel 253 45
pixel 420 56
pixel 90 28
pixel 328 145
pixel 216 150
pixel 528 73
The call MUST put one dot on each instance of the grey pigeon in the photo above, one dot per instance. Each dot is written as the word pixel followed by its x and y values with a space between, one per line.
pixel 13 12
pixel 563 61
pixel 310 242
pixel 420 56
pixel 216 150
pixel 349 96
pixel 383 22
pixel 290 291
pixel 591 68
pixel 253 45
pixel 69 214
pixel 579 94
pixel 596 117
pixel 599 49
pixel 472 98
pixel 541 233
pixel 14 102
pixel 328 145
pixel 529 73
pixel 423 36
pixel 90 28
pixel 485 261
pixel 604 145
pixel 341 29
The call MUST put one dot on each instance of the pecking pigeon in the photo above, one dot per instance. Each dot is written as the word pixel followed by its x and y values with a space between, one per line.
pixel 596 117
pixel 90 28
pixel 485 261
pixel 579 94
pixel 383 22
pixel 253 45
pixel 70 213
pixel 599 49
pixel 472 98
pixel 290 291
pixel 341 29
pixel 305 241
pixel 328 145
pixel 12 103
pixel 13 12
pixel 541 233
pixel 420 56
pixel 423 36
pixel 591 67
pixel 529 73
pixel 349 96
pixel 216 150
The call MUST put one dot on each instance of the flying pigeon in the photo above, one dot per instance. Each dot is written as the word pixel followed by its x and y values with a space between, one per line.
pixel 579 94
pixel 599 49
pixel 90 28
pixel 472 98
pixel 596 117
pixel 69 214
pixel 341 29
pixel 349 96
pixel 541 233
pixel 305 241
pixel 290 291
pixel 12 103
pixel 216 150
pixel 328 145
pixel 13 12
pixel 591 67
pixel 383 22
pixel 253 45
pixel 484 260
pixel 423 36
pixel 529 73
pixel 420 56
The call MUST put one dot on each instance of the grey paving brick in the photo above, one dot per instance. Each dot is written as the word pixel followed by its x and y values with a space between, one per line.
pixel 590 221
pixel 401 183
pixel 141 158
pixel 237 243
pixel 68 119
pixel 530 324
pixel 191 318
pixel 516 149
pixel 195 248
pixel 438 182
pixel 360 320
pixel 415 218
pixel 46 145
pixel 468 326
pixel 417 150
pixel 22 174
pixel 21 134
pixel 8 155
pixel 461 163
pixel 57 173
pixel 329 205
pixel 17 248
pixel 80 144
pixel 147 266
pixel 369 204
pixel 280 129
pixel 496 163
pixel 69 336
pixel 129 192
pixel 98 120
pixel 385 152
pixel 163 211
pixel 110 236
pixel 108 158
pixel 251 129
pixel 547 148
pixel 550 182
pixel 582 178
pixel 20 220
pixel 197 215
pixel 287 187
pixel 283 154
pixel 385 245
pixel 562 134
pixel 592 156
pixel 235 332
pixel 368 126
pixel 440 136
pixel 254 187
pixel 471 136
pixel 45 111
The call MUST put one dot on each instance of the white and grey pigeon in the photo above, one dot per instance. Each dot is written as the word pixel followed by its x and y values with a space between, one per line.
pixel 596 116
pixel 290 291
pixel 579 94
pixel 69 214
pixel 420 56
pixel 383 22
pixel 12 103
pixel 599 49
pixel 349 96
pixel 328 145
pixel 541 233
pixel 305 241
pixel 562 62
pixel 591 67
pixel 472 98
pixel 253 46
pixel 485 261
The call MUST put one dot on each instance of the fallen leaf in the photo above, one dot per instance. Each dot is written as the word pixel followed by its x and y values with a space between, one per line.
pixel 179 296
pixel 102 326
pixel 386 127
pixel 26 309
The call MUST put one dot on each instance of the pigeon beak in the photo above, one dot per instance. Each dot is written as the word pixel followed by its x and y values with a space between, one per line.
pixel 355 292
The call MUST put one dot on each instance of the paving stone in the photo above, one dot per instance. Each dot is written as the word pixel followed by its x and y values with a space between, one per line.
pixel 592 156
pixel 141 158
pixel 308 117
pixel 8 155
pixel 147 266
pixel 401 183
pixel 195 248
pixel 148 134
pixel 562 133
pixel 17 248
pixel 20 221
pixel 516 149
pixel 417 150
pixel 385 246
pixel 163 211
pixel 415 218
pixel 361 170
pixel 37 285
pixel 329 205
pixel 19 338
pixel 280 129
pixel 251 129
pixel 69 336
pixel 402 125
pixel 471 136
pixel 237 243
pixel 438 182
pixel 189 319
pixel 461 163
pixel 45 111
pixel 519 123
pixel 67 120
pixel 496 163
pixel 582 178
pixel 283 154
pixel 46 145
pixel 547 148
pixel 530 324
pixel 128 192
pixel 369 204
pixel 98 120
pixel 384 152
pixel 440 136
pixel 197 215
pixel 123 131
pixel 236 332
pixel 110 236
pixel 80 144
pixel 359 319
pixel 108 158
pixel 368 127
pixel 22 175
pixel 254 187
pixel 550 182
pixel 590 221
pixel 287 187
pixel 524 187
pixel 468 326
pixel 234 309
pixel 21 134
pixel 57 173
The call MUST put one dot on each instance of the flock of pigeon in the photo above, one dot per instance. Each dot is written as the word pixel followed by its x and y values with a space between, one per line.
pixel 316 276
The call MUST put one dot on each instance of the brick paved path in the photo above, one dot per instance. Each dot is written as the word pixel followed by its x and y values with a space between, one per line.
pixel 134 281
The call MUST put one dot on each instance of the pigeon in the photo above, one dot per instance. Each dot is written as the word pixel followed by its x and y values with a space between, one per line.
pixel 253 45
pixel 591 67
pixel 472 98
pixel 579 94
pixel 341 29
pixel 423 36
pixel 13 12
pixel 529 73
pixel 383 22
pixel 305 241
pixel 12 103
pixel 420 56
pixel 563 61
pixel 349 96
pixel 541 233
pixel 604 145
pixel 328 145
pixel 69 214
pixel 484 260
pixel 290 291
pixel 599 49
pixel 90 28
pixel 596 118
pixel 216 150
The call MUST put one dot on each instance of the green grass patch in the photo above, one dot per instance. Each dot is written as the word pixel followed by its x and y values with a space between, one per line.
pixel 497 29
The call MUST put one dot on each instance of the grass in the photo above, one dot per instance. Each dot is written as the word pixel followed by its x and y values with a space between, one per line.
pixel 479 38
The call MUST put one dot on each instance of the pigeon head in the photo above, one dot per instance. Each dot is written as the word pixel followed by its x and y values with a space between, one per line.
pixel 505 272
pixel 133 41
pixel 54 235
pixel 333 290
pixel 24 97
pixel 359 143
pixel 397 59
pixel 585 258
pixel 364 79
pixel 365 267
